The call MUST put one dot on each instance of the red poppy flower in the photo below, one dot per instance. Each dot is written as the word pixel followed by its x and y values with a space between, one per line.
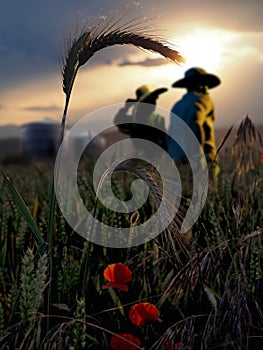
pixel 261 158
pixel 118 275
pixel 143 313
pixel 117 343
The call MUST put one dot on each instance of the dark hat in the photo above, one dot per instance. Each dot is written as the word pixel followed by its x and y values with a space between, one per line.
pixel 145 91
pixel 197 75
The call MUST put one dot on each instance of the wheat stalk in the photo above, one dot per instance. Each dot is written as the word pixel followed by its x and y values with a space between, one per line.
pixel 247 139
pixel 32 286
pixel 84 47
pixel 154 182
pixel 79 328
pixel 101 34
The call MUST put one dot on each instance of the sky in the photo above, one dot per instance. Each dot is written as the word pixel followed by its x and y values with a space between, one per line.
pixel 225 37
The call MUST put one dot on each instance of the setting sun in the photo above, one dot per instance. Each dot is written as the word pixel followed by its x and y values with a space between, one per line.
pixel 203 48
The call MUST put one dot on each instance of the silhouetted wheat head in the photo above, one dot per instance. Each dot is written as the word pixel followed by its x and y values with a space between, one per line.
pixel 103 33
pixel 246 144
pixel 147 173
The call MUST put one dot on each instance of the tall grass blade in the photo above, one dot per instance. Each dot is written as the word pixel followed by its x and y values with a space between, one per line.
pixel 224 140
pixel 23 209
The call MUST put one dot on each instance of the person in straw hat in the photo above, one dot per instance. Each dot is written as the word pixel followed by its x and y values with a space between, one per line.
pixel 143 111
pixel 196 109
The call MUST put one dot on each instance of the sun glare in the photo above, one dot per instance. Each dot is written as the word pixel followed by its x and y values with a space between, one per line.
pixel 203 48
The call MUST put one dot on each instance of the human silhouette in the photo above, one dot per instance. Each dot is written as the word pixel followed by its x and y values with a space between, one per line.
pixel 152 124
pixel 196 109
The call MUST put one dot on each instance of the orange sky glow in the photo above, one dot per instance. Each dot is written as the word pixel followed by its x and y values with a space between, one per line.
pixel 234 55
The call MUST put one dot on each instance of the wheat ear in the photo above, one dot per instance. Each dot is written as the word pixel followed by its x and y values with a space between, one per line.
pixel 87 45
pixel 32 286
pixel 154 182
pixel 100 35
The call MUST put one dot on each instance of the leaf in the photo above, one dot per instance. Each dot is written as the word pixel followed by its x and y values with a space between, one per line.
pixel 116 301
pixel 211 295
pixel 63 307
pixel 23 209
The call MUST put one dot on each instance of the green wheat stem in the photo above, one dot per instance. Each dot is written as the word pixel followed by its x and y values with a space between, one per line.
pixel 80 51
pixel 92 227
pixel 51 215
pixel 52 209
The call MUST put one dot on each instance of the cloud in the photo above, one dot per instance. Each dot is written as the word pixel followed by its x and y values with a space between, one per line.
pixel 51 108
pixel 33 46
pixel 32 35
pixel 148 62
pixel 233 15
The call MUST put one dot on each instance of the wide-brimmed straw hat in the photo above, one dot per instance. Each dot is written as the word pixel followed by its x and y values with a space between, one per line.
pixel 199 76
pixel 145 91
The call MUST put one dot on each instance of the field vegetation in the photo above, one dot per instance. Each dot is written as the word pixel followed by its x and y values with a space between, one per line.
pixel 203 290
pixel 207 289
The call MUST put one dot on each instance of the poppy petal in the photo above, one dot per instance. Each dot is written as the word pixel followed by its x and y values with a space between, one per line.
pixel 143 313
pixel 117 343
pixel 118 273
pixel 118 285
